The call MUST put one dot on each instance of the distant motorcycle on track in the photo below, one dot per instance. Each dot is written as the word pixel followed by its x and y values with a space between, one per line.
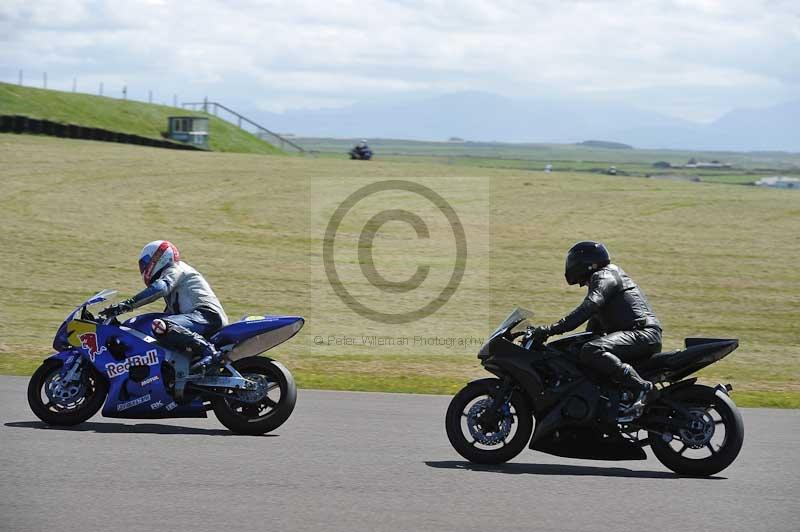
pixel 361 153
pixel 692 429
pixel 121 368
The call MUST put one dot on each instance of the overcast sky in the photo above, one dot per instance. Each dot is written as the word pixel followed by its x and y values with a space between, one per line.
pixel 693 59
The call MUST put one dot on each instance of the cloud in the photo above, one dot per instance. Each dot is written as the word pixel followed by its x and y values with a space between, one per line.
pixel 289 52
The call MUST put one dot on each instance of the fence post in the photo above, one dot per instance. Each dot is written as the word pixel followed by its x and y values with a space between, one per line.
pixel 20 77
pixel 124 92
pixel 74 84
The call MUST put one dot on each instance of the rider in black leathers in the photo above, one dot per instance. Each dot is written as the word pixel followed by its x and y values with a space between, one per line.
pixel 616 310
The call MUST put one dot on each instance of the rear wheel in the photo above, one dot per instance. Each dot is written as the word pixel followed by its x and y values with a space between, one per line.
pixel 261 410
pixel 65 403
pixel 706 438
pixel 486 433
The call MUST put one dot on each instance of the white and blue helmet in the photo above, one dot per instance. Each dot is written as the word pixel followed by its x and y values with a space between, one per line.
pixel 156 256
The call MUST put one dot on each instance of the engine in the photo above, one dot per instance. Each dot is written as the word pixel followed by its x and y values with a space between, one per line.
pixel 576 409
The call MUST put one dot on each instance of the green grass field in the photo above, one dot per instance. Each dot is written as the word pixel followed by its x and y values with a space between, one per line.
pixel 746 167
pixel 714 260
pixel 568 153
pixel 125 116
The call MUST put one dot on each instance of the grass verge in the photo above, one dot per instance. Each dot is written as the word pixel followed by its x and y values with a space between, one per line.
pixel 710 257
pixel 336 373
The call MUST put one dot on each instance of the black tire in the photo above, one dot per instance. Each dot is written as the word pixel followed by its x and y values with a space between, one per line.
pixel 673 453
pixel 522 424
pixel 96 389
pixel 246 418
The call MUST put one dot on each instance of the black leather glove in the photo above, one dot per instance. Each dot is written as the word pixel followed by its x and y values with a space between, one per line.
pixel 539 334
pixel 116 309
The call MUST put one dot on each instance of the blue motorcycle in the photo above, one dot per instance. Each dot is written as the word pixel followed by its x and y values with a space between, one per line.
pixel 120 367
pixel 360 153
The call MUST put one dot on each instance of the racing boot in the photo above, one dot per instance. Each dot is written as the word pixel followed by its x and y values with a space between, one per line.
pixel 210 357
pixel 181 338
pixel 629 378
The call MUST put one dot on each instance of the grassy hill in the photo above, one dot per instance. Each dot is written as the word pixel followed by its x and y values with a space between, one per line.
pixel 125 116
pixel 712 259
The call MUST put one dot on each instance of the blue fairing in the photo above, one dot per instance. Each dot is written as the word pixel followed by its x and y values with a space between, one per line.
pixel 231 334
pixel 249 327
pixel 89 340
pixel 143 322
pixel 60 341
pixel 127 398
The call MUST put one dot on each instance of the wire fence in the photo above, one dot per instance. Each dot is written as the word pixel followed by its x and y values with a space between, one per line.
pixel 211 108
pixel 119 91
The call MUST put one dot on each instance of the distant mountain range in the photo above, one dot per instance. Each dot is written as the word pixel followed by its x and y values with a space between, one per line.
pixel 488 117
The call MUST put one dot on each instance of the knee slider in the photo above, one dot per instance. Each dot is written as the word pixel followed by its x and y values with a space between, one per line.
pixel 159 327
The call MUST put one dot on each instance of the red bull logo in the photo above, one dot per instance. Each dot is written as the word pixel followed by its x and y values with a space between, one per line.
pixel 149 359
pixel 89 342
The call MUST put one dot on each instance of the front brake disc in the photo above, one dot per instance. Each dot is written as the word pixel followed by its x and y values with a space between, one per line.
pixel 488 435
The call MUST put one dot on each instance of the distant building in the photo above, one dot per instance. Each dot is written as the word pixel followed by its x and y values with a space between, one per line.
pixel 677 177
pixel 548 168
pixel 694 163
pixel 188 129
pixel 779 181
pixel 712 165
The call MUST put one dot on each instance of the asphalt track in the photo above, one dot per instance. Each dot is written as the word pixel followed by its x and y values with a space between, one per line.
pixel 371 462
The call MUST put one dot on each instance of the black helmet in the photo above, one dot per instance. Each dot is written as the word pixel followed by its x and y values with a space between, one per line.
pixel 583 259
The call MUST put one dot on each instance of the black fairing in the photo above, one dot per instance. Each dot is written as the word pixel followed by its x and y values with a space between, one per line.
pixel 508 358
pixel 699 353
pixel 571 342
pixel 588 443
pixel 576 414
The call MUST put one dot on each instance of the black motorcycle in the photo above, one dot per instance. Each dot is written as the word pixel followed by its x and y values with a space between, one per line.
pixel 692 429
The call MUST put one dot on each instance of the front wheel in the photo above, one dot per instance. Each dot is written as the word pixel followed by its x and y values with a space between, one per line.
pixel 705 438
pixel 484 432
pixel 65 403
pixel 263 409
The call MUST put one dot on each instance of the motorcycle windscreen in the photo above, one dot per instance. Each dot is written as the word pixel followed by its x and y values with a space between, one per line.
pixel 518 317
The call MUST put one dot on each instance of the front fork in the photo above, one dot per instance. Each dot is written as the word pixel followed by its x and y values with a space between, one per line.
pixel 494 411
pixel 72 368
pixel 503 393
